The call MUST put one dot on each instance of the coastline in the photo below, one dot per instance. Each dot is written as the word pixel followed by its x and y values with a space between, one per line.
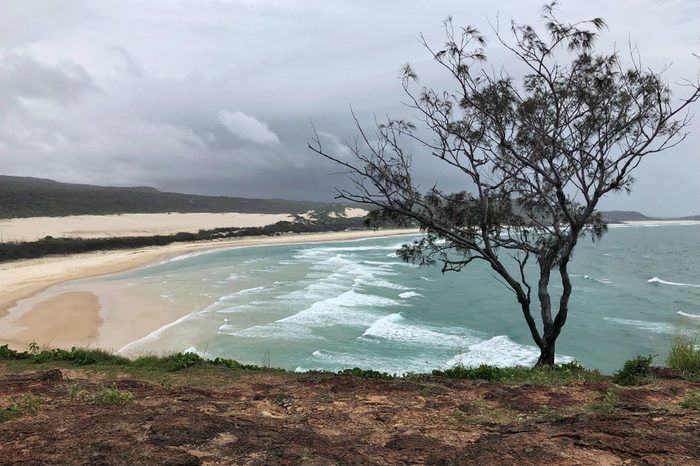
pixel 25 319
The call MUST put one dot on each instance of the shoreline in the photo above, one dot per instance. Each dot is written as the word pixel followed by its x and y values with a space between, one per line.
pixel 24 319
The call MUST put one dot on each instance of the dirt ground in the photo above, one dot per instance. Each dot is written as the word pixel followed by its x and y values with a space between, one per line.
pixel 261 418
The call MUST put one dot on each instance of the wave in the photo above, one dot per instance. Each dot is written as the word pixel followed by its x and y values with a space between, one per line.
pixel 500 351
pixel 687 314
pixel 654 327
pixel 410 294
pixel 664 282
pixel 395 327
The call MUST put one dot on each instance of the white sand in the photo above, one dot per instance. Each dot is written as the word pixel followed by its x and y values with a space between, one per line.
pixel 102 226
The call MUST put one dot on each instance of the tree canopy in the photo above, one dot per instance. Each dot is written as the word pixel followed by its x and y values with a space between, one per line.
pixel 539 151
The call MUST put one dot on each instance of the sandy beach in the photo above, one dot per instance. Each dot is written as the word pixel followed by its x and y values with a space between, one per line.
pixel 31 311
pixel 104 226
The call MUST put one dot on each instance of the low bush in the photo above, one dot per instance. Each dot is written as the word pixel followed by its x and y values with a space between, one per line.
pixel 80 356
pixel 634 370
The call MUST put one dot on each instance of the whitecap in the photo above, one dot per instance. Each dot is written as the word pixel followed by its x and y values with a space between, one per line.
pixel 410 294
pixel 687 314
pixel 654 327
pixel 664 282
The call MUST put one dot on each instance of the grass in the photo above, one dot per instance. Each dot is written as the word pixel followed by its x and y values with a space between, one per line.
pixel 684 355
pixel 692 400
pixel 547 375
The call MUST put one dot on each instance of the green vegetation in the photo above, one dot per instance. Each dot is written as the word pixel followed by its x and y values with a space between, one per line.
pixel 49 245
pixel 96 357
pixel 112 395
pixel 692 400
pixel 634 370
pixel 104 395
pixel 26 404
pixel 540 375
pixel 35 197
pixel 684 355
pixel 608 402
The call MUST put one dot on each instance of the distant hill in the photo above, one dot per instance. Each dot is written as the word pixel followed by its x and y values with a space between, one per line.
pixel 623 216
pixel 37 197
pixel 692 217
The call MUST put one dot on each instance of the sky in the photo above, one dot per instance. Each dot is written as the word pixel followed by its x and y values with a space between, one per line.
pixel 219 96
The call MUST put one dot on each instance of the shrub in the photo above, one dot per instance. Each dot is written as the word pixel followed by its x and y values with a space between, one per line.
pixel 181 361
pixel 112 395
pixel 367 373
pixel 634 370
pixel 7 353
pixel 684 355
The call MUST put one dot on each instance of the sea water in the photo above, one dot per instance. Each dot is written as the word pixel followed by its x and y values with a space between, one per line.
pixel 356 304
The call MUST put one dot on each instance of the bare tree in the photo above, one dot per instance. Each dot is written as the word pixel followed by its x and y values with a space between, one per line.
pixel 540 152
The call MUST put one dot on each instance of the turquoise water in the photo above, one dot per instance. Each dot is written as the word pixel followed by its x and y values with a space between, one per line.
pixel 338 305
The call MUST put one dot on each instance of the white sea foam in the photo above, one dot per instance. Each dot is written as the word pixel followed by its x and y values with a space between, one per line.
pixel 654 327
pixel 427 279
pixel 277 330
pixel 325 359
pixel 395 327
pixel 500 351
pixel 687 314
pixel 410 294
pixel 664 282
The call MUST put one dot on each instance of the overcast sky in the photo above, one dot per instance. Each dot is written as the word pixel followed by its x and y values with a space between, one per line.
pixel 217 97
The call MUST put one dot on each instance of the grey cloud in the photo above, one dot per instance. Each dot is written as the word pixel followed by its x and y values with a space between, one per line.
pixel 218 97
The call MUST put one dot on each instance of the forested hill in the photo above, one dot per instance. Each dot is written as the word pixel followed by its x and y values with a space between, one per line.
pixel 623 216
pixel 36 197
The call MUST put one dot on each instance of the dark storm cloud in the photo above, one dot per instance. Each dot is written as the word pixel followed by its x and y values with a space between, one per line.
pixel 218 97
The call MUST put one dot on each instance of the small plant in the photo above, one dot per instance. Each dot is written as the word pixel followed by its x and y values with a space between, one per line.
pixel 281 398
pixel 112 395
pixel 608 402
pixel 33 348
pixel 77 394
pixel 692 400
pixel 26 404
pixel 684 355
pixel 550 414
pixel 634 370
pixel 184 360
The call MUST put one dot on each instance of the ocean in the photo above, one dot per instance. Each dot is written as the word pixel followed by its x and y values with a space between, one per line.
pixel 338 305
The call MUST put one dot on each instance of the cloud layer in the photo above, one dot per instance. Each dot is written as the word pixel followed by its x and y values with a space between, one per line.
pixel 217 97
